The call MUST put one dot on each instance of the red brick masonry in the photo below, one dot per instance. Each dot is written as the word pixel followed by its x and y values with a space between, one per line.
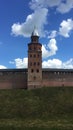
pixel 17 78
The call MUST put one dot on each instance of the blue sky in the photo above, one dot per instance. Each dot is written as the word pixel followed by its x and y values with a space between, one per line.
pixel 54 22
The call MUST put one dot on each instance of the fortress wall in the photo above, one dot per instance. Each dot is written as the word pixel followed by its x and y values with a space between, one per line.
pixel 34 84
pixel 56 83
pixel 57 78
pixel 10 79
pixel 14 79
pixel 19 80
pixel 5 85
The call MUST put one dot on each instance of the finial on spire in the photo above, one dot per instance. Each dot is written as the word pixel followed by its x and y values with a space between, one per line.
pixel 35 32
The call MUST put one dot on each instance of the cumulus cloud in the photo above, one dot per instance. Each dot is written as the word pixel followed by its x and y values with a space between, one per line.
pixel 35 19
pixel 50 63
pixel 39 17
pixel 66 27
pixel 65 6
pixel 11 62
pixel 3 67
pixel 68 64
pixel 52 34
pixel 34 4
pixel 26 28
pixel 62 6
pixel 49 49
pixel 21 63
pixel 56 63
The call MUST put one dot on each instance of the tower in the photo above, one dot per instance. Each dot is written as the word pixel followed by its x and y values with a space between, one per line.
pixel 34 61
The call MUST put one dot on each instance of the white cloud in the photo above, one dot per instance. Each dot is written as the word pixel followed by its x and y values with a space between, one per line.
pixel 68 64
pixel 21 63
pixel 51 63
pixel 49 49
pixel 3 67
pixel 62 6
pixel 56 63
pixel 52 46
pixel 35 19
pixel 11 62
pixel 34 4
pixel 39 17
pixel 65 7
pixel 52 34
pixel 66 27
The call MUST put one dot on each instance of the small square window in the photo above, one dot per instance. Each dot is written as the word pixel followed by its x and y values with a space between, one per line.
pixel 34 48
pixel 30 55
pixel 34 55
pixel 38 55
pixel 34 63
pixel 29 48
pixel 38 63
pixel 37 70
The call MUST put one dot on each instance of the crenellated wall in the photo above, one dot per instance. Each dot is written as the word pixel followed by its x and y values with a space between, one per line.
pixel 17 78
pixel 13 78
pixel 57 77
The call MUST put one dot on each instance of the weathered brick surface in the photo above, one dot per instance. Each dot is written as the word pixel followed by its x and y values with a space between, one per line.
pixel 57 77
pixel 10 79
pixel 34 63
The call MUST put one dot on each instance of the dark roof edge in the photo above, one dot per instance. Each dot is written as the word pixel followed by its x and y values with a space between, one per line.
pixel 26 69
pixel 34 43
pixel 56 69
pixel 14 70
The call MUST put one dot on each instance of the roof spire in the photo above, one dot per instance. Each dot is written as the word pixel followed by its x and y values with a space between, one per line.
pixel 35 32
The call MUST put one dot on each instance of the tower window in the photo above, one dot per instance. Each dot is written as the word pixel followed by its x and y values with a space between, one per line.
pixel 37 70
pixel 38 63
pixel 30 55
pixel 32 70
pixel 34 55
pixel 38 55
pixel 29 48
pixel 34 48
pixel 34 63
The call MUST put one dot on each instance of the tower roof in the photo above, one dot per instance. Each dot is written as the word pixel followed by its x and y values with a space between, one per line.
pixel 35 32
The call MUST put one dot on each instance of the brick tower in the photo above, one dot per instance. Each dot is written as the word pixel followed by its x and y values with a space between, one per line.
pixel 34 61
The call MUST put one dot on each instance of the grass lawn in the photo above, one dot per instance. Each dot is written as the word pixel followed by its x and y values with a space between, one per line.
pixel 39 109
